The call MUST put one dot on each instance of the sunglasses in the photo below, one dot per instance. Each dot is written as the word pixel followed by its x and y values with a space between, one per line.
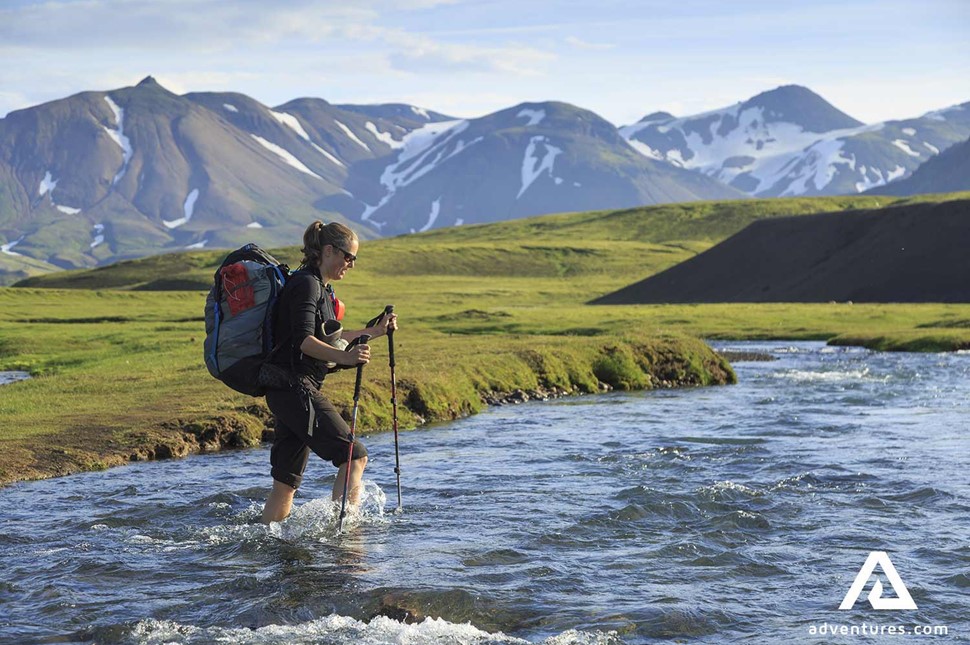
pixel 349 257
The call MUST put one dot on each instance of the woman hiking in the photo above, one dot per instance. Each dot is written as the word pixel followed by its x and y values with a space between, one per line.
pixel 305 419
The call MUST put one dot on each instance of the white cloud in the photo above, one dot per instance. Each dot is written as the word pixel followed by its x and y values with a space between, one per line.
pixel 582 44
pixel 10 101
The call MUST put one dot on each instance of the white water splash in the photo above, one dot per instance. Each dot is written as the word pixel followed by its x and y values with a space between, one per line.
pixel 344 629
pixel 315 520
pixel 807 376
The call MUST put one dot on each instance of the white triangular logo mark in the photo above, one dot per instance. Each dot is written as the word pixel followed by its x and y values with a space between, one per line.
pixel 902 600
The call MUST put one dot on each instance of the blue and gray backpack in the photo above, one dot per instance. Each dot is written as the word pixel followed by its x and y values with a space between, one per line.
pixel 239 317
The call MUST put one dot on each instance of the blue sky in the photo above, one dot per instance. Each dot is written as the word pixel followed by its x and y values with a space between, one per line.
pixel 875 60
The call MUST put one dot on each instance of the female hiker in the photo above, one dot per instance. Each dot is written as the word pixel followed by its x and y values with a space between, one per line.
pixel 305 419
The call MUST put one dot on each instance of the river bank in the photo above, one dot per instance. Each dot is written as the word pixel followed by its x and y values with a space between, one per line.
pixel 458 377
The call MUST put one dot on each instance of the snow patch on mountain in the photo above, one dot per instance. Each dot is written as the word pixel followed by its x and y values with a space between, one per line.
pixel 118 136
pixel 422 151
pixel 353 137
pixel 533 166
pixel 98 233
pixel 230 107
pixel 67 209
pixel 818 167
pixel 435 210
pixel 188 207
pixel 909 132
pixel 328 155
pixel 931 147
pixel 873 177
pixel 646 150
pixel 285 155
pixel 535 116
pixel 383 136
pixel 291 122
pixel 904 146
pixel 254 225
pixel 730 142
pixel 118 112
pixel 421 112
pixel 198 245
pixel 47 185
pixel 8 247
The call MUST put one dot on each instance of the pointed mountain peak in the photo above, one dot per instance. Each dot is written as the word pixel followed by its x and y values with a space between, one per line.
pixel 148 81
pixel 657 116
pixel 801 106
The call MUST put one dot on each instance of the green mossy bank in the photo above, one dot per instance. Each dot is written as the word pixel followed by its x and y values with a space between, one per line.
pixel 93 410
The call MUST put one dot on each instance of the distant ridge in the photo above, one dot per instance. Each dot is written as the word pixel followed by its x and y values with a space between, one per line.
pixel 789 142
pixel 907 253
pixel 945 173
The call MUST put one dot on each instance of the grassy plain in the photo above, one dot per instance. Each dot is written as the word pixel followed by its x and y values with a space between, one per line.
pixel 117 363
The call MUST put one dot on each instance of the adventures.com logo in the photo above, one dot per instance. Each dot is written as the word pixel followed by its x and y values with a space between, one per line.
pixel 902 601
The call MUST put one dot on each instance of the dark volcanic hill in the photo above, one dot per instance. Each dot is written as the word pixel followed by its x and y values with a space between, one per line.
pixel 909 253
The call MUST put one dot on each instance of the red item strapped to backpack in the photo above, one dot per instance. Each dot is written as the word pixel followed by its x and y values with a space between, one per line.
pixel 238 288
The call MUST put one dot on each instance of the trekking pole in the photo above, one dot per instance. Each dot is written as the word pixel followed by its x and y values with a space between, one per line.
pixel 389 309
pixel 353 428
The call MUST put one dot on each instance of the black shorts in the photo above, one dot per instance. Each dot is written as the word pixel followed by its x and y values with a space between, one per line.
pixel 298 432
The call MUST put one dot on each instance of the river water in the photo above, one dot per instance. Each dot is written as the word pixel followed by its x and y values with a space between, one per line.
pixel 710 515
pixel 12 377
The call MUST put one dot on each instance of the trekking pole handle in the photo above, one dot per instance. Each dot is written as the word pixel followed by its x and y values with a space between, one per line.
pixel 388 310
pixel 360 367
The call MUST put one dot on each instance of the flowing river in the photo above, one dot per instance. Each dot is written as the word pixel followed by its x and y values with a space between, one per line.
pixel 710 515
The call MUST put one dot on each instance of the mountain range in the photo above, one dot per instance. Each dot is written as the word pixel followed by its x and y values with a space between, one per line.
pixel 103 176
pixel 791 142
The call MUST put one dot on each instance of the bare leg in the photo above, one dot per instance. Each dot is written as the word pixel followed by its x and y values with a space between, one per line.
pixel 356 474
pixel 278 503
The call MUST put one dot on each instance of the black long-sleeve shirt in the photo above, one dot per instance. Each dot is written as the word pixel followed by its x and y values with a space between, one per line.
pixel 305 304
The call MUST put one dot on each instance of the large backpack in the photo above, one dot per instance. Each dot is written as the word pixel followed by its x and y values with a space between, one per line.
pixel 239 316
